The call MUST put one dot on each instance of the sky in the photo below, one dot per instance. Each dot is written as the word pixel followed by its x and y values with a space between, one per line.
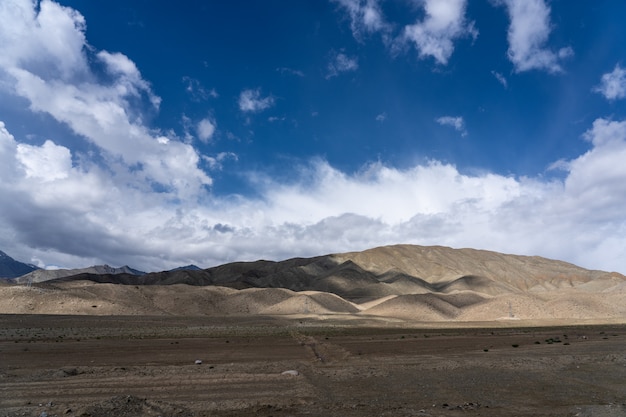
pixel 158 134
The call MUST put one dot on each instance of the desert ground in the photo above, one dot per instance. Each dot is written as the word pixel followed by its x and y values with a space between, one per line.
pixel 77 365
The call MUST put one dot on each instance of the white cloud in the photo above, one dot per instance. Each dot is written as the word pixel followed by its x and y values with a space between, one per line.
pixel 49 41
pixel 322 210
pixel 147 189
pixel 44 59
pixel 528 34
pixel 444 23
pixel 365 16
pixel 456 122
pixel 290 71
pixel 339 63
pixel 381 117
pixel 433 36
pixel 613 84
pixel 8 150
pixel 48 162
pixel 216 162
pixel 252 101
pixel 501 79
pixel 197 91
pixel 206 128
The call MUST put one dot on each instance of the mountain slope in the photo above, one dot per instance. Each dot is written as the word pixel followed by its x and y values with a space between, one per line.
pixel 389 270
pixel 41 275
pixel 400 283
pixel 10 268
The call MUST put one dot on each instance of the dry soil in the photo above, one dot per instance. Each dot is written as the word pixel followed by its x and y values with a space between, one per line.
pixel 146 366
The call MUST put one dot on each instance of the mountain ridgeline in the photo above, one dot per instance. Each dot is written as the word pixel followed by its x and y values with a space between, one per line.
pixel 401 283
pixel 379 272
pixel 10 268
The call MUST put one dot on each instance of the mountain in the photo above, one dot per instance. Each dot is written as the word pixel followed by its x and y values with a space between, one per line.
pixel 186 268
pixel 10 268
pixel 392 284
pixel 384 271
pixel 41 275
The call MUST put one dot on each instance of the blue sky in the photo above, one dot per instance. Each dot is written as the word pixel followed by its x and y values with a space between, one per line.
pixel 157 134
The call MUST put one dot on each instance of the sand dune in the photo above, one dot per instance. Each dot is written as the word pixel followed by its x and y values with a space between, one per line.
pixel 411 283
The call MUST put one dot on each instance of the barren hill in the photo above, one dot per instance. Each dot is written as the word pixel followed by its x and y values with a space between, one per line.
pixel 404 282
pixel 41 275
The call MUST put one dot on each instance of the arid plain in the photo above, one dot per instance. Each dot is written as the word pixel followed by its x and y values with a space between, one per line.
pixel 394 331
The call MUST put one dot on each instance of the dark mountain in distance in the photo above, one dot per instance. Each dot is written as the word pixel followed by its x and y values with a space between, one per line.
pixel 41 275
pixel 10 268
pixel 186 268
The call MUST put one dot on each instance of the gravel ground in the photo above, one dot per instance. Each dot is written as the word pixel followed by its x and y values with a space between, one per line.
pixel 146 366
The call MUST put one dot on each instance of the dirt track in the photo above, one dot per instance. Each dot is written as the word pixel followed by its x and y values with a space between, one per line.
pixel 136 366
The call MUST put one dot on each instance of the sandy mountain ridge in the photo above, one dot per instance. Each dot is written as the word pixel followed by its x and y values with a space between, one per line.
pixel 402 282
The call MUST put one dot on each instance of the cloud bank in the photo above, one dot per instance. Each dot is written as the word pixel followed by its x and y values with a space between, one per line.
pixel 322 210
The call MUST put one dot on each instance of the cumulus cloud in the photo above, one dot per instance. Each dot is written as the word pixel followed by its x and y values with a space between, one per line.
pixel 44 59
pixel 444 22
pixel 251 101
pixel 340 63
pixel 456 122
pixel 48 162
pixel 206 128
pixel 613 84
pixel 433 36
pixel 365 16
pixel 49 41
pixel 528 34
